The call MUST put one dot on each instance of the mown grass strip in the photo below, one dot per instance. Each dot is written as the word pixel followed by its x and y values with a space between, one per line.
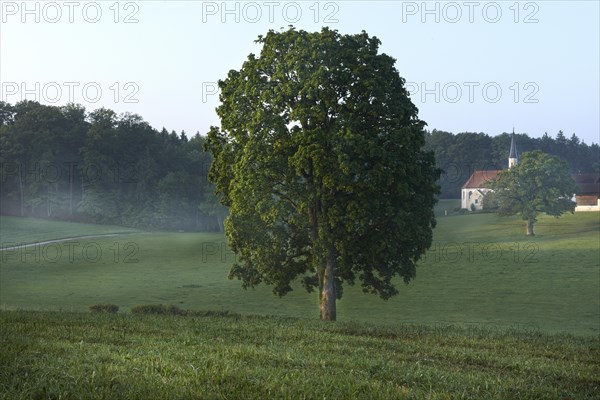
pixel 107 356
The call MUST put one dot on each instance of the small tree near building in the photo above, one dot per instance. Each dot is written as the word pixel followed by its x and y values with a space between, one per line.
pixel 539 183
pixel 489 203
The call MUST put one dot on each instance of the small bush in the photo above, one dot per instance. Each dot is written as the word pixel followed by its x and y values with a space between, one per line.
pixel 212 314
pixel 104 308
pixel 158 309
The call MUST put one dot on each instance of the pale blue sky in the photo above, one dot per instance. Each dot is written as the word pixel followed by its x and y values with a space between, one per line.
pixel 485 66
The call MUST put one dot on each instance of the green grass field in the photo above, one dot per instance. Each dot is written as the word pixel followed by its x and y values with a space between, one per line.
pixel 89 356
pixel 481 271
pixel 492 315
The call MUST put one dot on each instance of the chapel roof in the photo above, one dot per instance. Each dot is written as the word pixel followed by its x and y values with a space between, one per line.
pixel 480 179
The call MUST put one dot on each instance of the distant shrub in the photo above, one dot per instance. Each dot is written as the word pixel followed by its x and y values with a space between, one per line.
pixel 212 314
pixel 161 309
pixel 104 308
pixel 158 309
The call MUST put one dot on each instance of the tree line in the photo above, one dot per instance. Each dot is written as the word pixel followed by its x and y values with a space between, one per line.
pixel 62 162
pixel 458 155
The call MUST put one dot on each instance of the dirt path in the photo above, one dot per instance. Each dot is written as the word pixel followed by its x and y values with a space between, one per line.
pixel 22 246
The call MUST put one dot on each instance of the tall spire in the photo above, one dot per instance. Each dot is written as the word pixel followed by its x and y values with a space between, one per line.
pixel 512 157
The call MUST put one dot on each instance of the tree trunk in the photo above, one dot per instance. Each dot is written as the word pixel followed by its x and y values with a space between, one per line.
pixel 71 191
pixel 82 190
pixel 530 227
pixel 327 303
pixel 21 194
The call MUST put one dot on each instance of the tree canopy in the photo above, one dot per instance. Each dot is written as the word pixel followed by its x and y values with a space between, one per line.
pixel 320 159
pixel 539 183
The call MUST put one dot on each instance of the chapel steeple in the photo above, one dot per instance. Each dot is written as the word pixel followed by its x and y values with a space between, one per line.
pixel 512 157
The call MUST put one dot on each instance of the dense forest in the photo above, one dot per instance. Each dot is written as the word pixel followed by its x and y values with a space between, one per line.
pixel 66 163
pixel 63 162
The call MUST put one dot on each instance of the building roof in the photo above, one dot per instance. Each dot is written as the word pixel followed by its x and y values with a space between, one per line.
pixel 480 179
pixel 586 178
pixel 587 183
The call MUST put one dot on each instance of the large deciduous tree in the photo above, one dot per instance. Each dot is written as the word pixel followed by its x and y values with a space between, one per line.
pixel 320 159
pixel 539 183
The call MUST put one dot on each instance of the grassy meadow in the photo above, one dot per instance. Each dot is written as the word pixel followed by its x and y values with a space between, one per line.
pixel 110 356
pixel 481 271
pixel 16 231
pixel 492 314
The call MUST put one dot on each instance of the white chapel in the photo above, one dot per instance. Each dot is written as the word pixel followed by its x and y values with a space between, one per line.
pixel 477 185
